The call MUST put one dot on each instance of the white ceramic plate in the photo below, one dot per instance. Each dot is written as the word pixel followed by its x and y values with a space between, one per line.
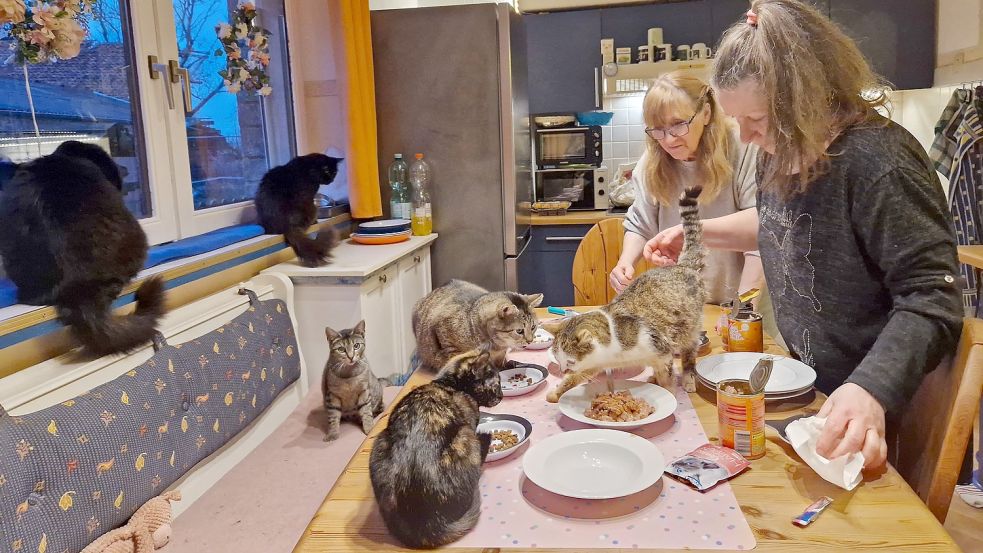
pixel 385 223
pixel 489 422
pixel 577 400
pixel 787 375
pixel 594 464
pixel 768 396
pixel 541 340
pixel 528 371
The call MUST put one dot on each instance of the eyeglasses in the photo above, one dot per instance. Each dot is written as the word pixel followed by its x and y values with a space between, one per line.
pixel 679 129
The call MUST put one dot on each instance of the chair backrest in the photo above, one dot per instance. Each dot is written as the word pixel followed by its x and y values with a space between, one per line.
pixel 596 256
pixel 938 424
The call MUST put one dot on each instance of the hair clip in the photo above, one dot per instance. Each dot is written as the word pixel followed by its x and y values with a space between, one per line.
pixel 752 18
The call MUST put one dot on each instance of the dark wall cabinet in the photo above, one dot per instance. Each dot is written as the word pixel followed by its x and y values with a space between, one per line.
pixel 564 54
pixel 547 263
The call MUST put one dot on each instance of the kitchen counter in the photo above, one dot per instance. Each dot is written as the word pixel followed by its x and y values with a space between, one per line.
pixel 350 259
pixel 574 218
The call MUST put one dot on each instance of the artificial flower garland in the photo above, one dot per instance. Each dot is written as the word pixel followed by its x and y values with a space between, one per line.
pixel 48 30
pixel 243 31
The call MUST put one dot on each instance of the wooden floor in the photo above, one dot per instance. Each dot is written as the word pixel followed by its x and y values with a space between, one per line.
pixel 965 525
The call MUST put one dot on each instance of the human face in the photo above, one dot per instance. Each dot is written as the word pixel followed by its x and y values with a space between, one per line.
pixel 685 147
pixel 747 104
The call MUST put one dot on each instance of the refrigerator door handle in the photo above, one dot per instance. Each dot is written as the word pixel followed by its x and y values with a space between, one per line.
pixel 597 88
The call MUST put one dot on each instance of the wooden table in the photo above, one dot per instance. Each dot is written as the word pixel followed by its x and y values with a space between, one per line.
pixel 883 513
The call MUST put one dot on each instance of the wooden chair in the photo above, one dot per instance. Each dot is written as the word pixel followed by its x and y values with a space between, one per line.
pixel 938 424
pixel 597 254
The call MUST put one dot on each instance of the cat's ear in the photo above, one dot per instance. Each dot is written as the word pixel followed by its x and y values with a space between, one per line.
pixel 331 333
pixel 584 336
pixel 360 327
pixel 555 326
pixel 507 311
pixel 533 300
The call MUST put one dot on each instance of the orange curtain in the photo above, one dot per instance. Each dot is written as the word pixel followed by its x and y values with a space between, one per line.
pixel 356 81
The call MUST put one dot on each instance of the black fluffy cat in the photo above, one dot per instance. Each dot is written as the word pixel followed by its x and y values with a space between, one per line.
pixel 285 204
pixel 68 240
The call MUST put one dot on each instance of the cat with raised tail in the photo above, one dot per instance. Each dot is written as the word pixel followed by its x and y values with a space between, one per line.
pixel 70 241
pixel 285 205
pixel 660 313
pixel 426 464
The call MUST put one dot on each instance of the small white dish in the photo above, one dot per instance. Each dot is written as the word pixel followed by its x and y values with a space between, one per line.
pixel 521 380
pixel 578 399
pixel 490 422
pixel 594 464
pixel 541 340
pixel 787 375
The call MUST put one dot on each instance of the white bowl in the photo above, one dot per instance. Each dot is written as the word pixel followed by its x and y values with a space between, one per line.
pixel 541 340
pixel 536 372
pixel 594 464
pixel 578 399
pixel 490 422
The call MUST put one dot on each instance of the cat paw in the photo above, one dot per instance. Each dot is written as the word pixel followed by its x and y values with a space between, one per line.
pixel 662 378
pixel 332 435
pixel 553 396
pixel 367 426
pixel 689 381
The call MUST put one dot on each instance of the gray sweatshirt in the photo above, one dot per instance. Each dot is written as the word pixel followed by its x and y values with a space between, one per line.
pixel 862 267
pixel 646 217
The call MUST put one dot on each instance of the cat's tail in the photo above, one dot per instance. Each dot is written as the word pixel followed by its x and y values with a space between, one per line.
pixel 102 333
pixel 694 253
pixel 312 252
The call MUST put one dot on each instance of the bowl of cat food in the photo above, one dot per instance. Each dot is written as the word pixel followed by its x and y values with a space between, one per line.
pixel 508 433
pixel 522 379
pixel 542 339
pixel 632 404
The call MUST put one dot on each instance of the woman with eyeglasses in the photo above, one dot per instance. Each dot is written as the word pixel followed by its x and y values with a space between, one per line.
pixel 690 142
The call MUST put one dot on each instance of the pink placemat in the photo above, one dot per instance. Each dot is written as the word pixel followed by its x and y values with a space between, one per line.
pixel 669 515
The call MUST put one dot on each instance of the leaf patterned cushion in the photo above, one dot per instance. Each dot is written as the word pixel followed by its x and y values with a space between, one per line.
pixel 76 470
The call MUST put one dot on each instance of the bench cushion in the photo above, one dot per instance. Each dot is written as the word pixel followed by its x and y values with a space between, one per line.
pixel 76 470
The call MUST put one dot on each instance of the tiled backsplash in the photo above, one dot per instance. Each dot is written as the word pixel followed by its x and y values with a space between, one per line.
pixel 624 139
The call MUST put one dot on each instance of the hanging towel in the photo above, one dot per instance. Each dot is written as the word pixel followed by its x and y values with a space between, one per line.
pixel 945 145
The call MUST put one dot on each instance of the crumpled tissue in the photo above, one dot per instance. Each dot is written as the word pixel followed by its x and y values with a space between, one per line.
pixel 844 471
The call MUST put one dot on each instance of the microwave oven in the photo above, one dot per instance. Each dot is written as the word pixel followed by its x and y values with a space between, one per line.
pixel 560 147
pixel 585 189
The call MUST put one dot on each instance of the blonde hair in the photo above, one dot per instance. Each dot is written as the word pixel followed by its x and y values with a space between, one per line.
pixel 676 96
pixel 814 78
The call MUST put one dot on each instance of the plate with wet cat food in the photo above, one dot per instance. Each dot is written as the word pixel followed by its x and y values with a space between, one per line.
pixel 522 379
pixel 594 464
pixel 632 404
pixel 789 378
pixel 542 339
pixel 508 433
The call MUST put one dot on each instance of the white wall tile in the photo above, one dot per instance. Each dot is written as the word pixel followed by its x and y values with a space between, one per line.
pixel 636 149
pixel 620 117
pixel 635 116
pixel 619 133
pixel 606 133
pixel 619 149
pixel 636 132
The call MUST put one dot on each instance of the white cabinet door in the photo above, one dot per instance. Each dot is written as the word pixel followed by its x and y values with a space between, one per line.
pixel 383 328
pixel 414 283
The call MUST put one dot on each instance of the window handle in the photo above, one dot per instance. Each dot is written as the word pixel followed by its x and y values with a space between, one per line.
pixel 158 70
pixel 180 75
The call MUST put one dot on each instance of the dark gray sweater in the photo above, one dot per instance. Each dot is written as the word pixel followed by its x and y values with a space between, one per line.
pixel 862 266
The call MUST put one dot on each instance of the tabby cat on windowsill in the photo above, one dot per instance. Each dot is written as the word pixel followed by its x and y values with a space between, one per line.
pixel 351 390
pixel 426 464
pixel 285 205
pixel 460 316
pixel 660 313
pixel 69 240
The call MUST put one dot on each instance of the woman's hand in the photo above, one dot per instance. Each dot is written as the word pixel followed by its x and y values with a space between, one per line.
pixel 665 247
pixel 621 276
pixel 854 422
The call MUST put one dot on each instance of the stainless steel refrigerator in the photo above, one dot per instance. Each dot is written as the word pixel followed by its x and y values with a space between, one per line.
pixel 451 83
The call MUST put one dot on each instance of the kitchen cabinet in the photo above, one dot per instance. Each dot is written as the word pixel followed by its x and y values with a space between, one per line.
pixel 379 284
pixel 896 36
pixel 564 58
pixel 681 23
pixel 548 262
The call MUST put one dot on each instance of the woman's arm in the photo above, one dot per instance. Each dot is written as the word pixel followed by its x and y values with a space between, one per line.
pixel 736 232
pixel 623 273
pixel 753 275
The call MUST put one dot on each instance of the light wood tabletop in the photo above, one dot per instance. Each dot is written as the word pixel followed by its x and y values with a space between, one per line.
pixel 883 513
pixel 971 255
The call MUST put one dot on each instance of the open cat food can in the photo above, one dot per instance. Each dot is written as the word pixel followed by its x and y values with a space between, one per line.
pixel 745 332
pixel 741 417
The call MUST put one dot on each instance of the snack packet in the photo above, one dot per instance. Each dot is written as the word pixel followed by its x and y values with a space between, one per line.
pixel 707 465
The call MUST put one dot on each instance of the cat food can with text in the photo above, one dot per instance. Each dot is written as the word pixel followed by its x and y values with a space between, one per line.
pixel 745 332
pixel 741 417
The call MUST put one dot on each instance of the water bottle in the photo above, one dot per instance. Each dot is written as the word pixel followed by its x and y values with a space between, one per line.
pixel 420 176
pixel 400 204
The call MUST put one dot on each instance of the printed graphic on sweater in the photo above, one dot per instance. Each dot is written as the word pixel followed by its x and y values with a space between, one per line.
pixel 791 240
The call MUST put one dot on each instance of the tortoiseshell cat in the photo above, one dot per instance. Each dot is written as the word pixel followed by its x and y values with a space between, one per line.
pixel 659 314
pixel 426 464
pixel 285 205
pixel 460 316
pixel 350 388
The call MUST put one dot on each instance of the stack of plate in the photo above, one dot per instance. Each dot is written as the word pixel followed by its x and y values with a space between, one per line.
pixel 388 231
pixel 789 378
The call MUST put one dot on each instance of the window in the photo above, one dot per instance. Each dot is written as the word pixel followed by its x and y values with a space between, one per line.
pixel 191 166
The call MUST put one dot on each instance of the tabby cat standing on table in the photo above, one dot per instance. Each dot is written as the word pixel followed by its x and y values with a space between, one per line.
pixel 660 313
pixel 426 463
pixel 350 388
pixel 460 316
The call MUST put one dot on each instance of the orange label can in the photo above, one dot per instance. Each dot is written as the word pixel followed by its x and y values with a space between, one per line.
pixel 745 332
pixel 741 417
